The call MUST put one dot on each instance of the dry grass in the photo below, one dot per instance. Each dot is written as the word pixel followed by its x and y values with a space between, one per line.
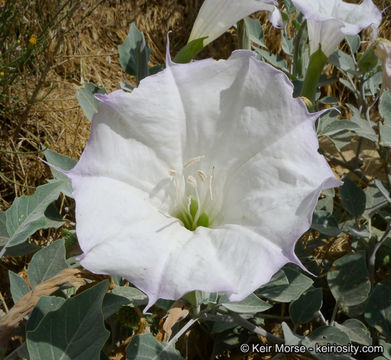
pixel 89 53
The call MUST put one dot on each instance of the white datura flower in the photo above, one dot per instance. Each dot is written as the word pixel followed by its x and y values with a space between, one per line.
pixel 217 16
pixel 202 178
pixel 383 52
pixel 328 21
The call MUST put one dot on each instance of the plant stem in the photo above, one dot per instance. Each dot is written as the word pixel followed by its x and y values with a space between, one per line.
pixel 297 58
pixel 181 332
pixel 243 36
pixel 334 314
pixel 256 329
pixel 318 60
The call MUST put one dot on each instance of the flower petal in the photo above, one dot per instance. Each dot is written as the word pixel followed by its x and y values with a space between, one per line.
pixel 383 52
pixel 261 144
pixel 160 256
pixel 217 16
pixel 329 21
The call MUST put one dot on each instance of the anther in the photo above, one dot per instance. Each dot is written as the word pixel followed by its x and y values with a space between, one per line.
pixel 193 161
pixel 192 181
pixel 201 175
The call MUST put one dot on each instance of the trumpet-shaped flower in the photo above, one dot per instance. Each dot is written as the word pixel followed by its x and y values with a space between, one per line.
pixel 329 21
pixel 383 52
pixel 217 16
pixel 202 178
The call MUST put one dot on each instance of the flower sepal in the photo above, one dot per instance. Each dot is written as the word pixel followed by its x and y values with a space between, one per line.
pixel 191 49
pixel 317 62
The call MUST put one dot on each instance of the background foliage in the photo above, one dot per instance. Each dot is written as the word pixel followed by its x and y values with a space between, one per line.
pixel 55 56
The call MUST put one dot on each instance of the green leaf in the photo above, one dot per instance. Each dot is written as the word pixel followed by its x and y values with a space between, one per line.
pixel 134 296
pixel 47 263
pixel 378 312
pixel 303 309
pixel 285 286
pixel 348 85
pixel 21 249
pixel 365 130
pixel 112 303
pixel 323 336
pixel 338 126
pixel 375 200
pixel 251 304
pixel 348 279
pixel 62 162
pixel 197 297
pixel 255 30
pixel 387 349
pixel 146 347
pixel 277 61
pixel 368 60
pixel 120 296
pixel 385 106
pixel 289 6
pixel 75 331
pixel 385 135
pixel 329 100
pixel 342 61
pixel 356 331
pixel 27 213
pixel 353 42
pixel 325 223
pixel 4 237
pixel 87 100
pixel 18 286
pixel 134 54
pixel 190 50
pixel 352 197
pixel 45 305
pixel 125 86
pixel 70 239
pixel 290 337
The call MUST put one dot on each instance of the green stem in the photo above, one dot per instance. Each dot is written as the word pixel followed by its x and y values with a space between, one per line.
pixel 243 36
pixel 318 60
pixel 191 49
pixel 297 52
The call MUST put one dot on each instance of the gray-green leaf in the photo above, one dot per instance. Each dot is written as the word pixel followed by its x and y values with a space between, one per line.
pixel 378 312
pixel 75 331
pixel 285 286
pixel 303 309
pixel 251 304
pixel 134 54
pixel 87 100
pixel 63 162
pixel 146 347
pixel 47 263
pixel 348 279
pixel 27 213
pixel 356 331
pixel 18 285
pixel 352 197
pixel 323 336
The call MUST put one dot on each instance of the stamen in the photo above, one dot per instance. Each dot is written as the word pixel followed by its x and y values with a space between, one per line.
pixel 211 183
pixel 193 161
pixel 192 181
pixel 171 172
pixel 201 175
